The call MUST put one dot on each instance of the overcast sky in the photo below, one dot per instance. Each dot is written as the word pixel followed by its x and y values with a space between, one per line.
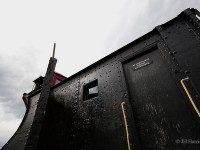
pixel 84 30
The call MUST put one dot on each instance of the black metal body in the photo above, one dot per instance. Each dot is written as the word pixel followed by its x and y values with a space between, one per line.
pixel 158 78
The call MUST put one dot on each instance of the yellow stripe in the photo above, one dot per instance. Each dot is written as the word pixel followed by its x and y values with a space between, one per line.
pixel 189 96
pixel 126 125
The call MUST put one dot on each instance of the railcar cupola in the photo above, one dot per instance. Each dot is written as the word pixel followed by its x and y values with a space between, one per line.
pixel 57 78
pixel 38 82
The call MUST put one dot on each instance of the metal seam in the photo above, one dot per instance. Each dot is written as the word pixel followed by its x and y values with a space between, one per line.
pixel 126 125
pixel 189 96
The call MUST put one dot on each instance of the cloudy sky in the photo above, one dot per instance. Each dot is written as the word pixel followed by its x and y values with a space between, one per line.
pixel 84 30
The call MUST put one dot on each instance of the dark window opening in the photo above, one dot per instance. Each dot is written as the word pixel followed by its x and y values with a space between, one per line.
pixel 90 90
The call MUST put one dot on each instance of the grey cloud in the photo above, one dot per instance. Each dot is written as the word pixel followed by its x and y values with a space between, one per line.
pixel 16 76
pixel 136 22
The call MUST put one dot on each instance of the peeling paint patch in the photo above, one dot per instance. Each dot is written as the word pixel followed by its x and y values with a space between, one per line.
pixel 160 137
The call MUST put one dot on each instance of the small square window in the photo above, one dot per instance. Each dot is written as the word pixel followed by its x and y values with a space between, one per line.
pixel 90 90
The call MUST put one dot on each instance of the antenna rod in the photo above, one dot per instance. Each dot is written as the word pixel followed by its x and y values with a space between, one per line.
pixel 54 48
